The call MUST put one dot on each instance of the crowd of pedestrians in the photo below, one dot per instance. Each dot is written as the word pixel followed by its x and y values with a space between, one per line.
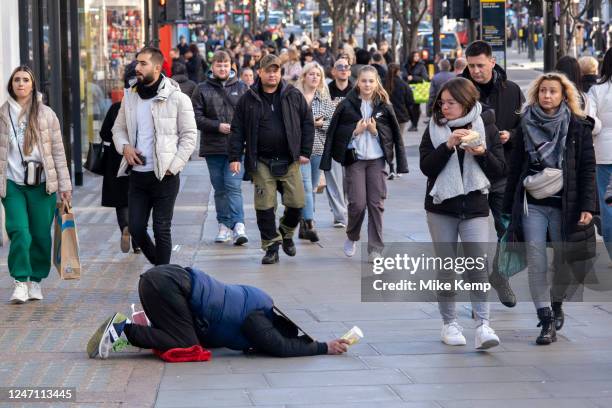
pixel 293 118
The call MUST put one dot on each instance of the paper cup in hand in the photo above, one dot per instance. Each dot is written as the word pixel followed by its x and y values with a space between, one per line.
pixel 353 335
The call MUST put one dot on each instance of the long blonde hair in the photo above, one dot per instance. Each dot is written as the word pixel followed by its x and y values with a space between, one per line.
pixel 380 94
pixel 322 88
pixel 570 93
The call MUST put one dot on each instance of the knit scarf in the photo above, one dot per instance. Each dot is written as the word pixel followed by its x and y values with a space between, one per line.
pixel 545 134
pixel 451 182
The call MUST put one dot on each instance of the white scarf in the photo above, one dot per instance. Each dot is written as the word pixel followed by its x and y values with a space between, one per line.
pixel 451 182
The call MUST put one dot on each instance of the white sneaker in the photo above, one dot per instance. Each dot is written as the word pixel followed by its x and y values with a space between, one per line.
pixel 239 234
pixel 20 294
pixel 224 235
pixel 35 291
pixel 350 247
pixel 485 337
pixel 452 334
pixel 339 224
pixel 373 255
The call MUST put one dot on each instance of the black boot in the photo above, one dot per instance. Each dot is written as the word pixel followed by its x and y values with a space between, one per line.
pixel 311 233
pixel 504 291
pixel 271 256
pixel 302 230
pixel 559 315
pixel 547 323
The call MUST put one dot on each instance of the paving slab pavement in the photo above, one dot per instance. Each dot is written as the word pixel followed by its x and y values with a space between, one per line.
pixel 400 363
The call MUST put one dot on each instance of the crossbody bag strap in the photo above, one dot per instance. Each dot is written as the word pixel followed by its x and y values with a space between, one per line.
pixel 23 163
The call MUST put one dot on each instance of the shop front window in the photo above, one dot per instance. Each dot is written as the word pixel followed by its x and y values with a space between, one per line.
pixel 112 32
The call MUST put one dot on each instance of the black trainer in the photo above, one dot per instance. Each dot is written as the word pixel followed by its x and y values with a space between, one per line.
pixel 557 308
pixel 311 231
pixel 271 256
pixel 302 230
pixel 548 334
pixel 503 289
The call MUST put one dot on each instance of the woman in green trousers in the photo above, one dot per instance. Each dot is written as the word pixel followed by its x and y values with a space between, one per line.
pixel 32 169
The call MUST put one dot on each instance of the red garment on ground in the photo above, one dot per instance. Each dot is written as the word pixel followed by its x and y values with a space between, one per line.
pixel 184 355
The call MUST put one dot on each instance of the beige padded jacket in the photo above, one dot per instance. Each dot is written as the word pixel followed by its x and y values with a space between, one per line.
pixel 50 145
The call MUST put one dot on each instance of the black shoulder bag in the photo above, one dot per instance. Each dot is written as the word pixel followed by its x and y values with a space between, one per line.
pixel 33 168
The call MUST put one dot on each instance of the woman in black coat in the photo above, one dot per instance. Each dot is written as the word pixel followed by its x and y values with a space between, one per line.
pixel 196 66
pixel 115 189
pixel 402 100
pixel 555 135
pixel 416 72
pixel 362 136
pixel 459 175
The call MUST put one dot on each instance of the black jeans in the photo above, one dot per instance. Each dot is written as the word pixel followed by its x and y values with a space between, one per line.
pixel 147 193
pixel 496 204
pixel 415 114
pixel 164 294
pixel 122 217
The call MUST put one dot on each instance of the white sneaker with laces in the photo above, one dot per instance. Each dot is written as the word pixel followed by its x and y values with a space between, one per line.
pixel 224 235
pixel 239 234
pixel 485 337
pixel 20 293
pixel 452 334
pixel 35 291
pixel 350 247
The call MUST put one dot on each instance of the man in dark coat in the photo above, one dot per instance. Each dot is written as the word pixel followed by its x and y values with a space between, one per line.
pixel 506 99
pixel 187 308
pixel 179 74
pixel 324 57
pixel 213 104
pixel 274 127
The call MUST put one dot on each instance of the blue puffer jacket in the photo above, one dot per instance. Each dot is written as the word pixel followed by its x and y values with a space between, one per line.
pixel 221 309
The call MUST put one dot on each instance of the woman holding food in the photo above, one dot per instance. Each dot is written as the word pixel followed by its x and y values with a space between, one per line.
pixel 551 193
pixel 459 153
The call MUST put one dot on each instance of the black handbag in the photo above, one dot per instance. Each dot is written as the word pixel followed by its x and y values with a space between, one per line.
pixel 350 157
pixel 95 158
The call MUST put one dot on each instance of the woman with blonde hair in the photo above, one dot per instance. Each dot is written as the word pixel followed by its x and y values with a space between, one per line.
pixel 292 67
pixel 312 85
pixel 32 169
pixel 551 192
pixel 363 136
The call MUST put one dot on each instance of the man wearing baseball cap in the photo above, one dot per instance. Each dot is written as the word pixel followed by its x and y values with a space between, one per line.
pixel 273 127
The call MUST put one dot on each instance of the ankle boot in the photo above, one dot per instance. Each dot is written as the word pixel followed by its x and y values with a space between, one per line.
pixel 302 233
pixel 311 232
pixel 271 256
pixel 559 315
pixel 547 323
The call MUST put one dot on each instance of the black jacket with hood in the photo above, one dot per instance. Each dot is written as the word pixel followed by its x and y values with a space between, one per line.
pixel 297 117
pixel 343 123
pixel 214 103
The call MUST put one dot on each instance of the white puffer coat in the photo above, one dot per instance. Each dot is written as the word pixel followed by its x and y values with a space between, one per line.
pixel 175 128
pixel 50 144
pixel 600 108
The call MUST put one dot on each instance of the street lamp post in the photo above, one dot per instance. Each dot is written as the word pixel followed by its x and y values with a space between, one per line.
pixel 549 35
pixel 530 43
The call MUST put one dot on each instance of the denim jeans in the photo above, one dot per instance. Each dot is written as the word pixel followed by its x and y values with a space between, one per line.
pixel 474 233
pixel 146 193
pixel 540 220
pixel 310 178
pixel 228 190
pixel 604 171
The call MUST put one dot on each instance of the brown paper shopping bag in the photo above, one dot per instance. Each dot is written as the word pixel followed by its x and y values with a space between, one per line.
pixel 320 188
pixel 66 243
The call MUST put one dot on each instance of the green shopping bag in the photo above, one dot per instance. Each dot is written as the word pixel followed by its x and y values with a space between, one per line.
pixel 511 257
pixel 420 92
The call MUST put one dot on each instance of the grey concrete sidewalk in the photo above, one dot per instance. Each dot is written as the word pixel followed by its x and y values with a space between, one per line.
pixel 400 363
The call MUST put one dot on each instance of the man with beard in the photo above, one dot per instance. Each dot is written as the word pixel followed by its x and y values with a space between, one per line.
pixel 214 102
pixel 273 124
pixel 506 99
pixel 155 131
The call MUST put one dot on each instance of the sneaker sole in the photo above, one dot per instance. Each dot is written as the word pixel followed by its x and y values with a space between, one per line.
pixel 454 344
pixel 488 344
pixel 93 345
pixel 18 301
pixel 241 241
pixel 220 241
pixel 36 298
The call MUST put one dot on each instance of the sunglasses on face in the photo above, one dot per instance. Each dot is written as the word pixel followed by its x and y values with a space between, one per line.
pixel 342 67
